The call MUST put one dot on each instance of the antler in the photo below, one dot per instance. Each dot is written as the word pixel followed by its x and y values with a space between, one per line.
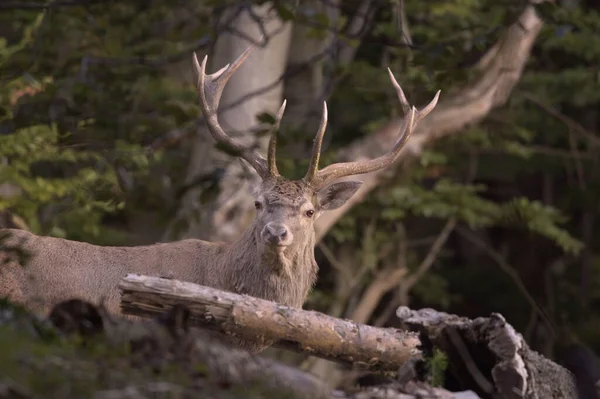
pixel 210 88
pixel 319 178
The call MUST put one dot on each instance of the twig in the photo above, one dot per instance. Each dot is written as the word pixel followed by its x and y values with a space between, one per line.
pixel 384 282
pixel 505 267
pixel 432 255
pixel 402 23
pixel 423 267
pixel 574 125
pixel 156 62
pixel 356 28
pixel 333 261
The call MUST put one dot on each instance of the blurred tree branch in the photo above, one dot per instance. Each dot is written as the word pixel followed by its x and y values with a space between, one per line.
pixel 575 126
pixel 500 69
pixel 404 285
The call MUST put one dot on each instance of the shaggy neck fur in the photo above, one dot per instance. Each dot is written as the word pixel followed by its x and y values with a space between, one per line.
pixel 283 276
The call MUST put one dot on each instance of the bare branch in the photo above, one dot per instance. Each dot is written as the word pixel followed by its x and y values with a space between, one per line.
pixel 432 255
pixel 384 282
pixel 340 267
pixel 400 297
pixel 403 23
pixel 155 62
pixel 358 27
pixel 577 127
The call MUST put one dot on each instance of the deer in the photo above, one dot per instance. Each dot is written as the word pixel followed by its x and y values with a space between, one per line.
pixel 273 259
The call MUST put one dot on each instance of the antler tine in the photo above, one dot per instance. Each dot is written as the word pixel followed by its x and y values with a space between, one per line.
pixel 210 88
pixel 313 167
pixel 411 119
pixel 406 108
pixel 271 159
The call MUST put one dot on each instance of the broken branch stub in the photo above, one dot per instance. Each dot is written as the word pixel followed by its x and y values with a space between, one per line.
pixel 487 355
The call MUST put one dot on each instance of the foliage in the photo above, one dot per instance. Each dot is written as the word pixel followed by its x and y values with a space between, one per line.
pixel 32 152
pixel 106 96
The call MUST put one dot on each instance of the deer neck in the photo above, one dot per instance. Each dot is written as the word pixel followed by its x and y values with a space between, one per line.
pixel 281 276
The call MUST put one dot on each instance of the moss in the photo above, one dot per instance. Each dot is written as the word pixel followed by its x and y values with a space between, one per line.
pixel 436 366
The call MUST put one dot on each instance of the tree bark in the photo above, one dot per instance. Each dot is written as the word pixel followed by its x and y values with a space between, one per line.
pixel 253 319
pixel 162 357
pixel 304 90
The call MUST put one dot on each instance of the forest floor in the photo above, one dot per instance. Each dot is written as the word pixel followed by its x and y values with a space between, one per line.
pixel 80 351
pixel 116 359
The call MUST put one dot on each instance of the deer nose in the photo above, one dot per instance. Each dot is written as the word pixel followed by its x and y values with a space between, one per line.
pixel 277 234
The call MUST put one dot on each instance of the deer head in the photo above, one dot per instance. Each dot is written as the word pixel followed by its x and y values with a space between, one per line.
pixel 287 209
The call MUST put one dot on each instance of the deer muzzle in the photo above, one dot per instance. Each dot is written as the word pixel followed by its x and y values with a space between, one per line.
pixel 277 234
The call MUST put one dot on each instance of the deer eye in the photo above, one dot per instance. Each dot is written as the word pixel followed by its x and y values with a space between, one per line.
pixel 310 213
pixel 257 205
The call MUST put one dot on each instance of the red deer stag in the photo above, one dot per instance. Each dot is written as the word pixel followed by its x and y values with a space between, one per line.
pixel 273 259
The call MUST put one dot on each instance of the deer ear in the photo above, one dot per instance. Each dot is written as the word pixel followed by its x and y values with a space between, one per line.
pixel 336 194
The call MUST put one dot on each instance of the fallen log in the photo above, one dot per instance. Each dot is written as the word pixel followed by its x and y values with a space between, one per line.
pixel 486 357
pixel 361 346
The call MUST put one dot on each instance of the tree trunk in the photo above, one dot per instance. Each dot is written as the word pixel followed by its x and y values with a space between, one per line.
pixel 305 88
pixel 258 320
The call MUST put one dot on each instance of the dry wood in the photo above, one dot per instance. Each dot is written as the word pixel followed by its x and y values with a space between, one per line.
pixel 253 319
pixel 411 390
pixel 488 356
